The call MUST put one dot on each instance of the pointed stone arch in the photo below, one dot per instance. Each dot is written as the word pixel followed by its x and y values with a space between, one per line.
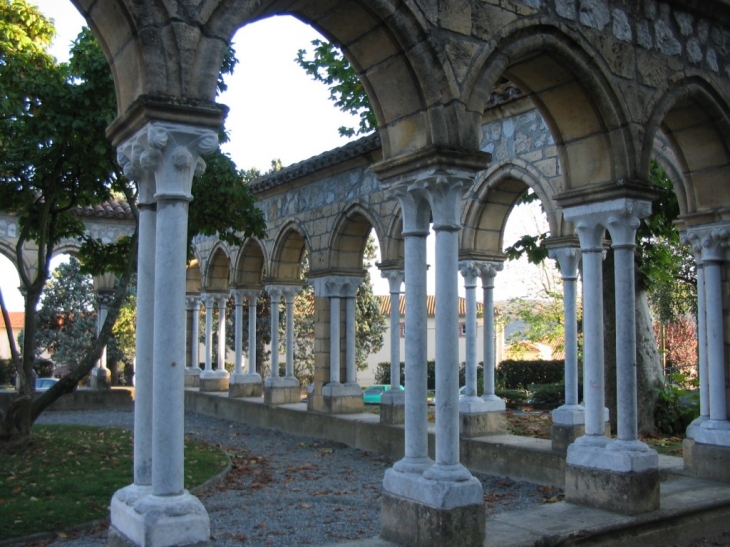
pixel 571 88
pixel 290 247
pixel 695 122
pixel 348 240
pixel 193 277
pixel 392 252
pixel 250 265
pixel 495 195
pixel 218 269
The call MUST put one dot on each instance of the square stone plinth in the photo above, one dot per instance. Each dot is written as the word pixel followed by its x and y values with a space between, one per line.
pixel 706 461
pixel 564 435
pixel 246 390
pixel 342 404
pixel 481 424
pixel 409 522
pixel 282 395
pixel 192 379
pixel 213 384
pixel 393 407
pixel 629 493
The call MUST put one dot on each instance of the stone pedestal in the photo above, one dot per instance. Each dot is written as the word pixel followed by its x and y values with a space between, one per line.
pixel 157 521
pixel 622 477
pixel 192 377
pixel 245 385
pixel 706 461
pixel 214 380
pixel 568 425
pixel 393 407
pixel 282 391
pixel 479 417
pixel 427 513
pixel 342 399
pixel 101 378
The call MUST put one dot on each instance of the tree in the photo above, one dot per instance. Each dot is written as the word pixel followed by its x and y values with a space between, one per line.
pixel 54 158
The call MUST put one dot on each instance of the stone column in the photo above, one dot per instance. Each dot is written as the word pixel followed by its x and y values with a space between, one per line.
pixel 192 371
pixel 214 380
pixel 392 403
pixel 104 288
pixel 702 368
pixel 277 389
pixel 629 465
pixel 714 241
pixel 569 418
pixel 290 294
pixel 339 397
pixel 170 515
pixel 246 384
pixel 124 499
pixel 488 272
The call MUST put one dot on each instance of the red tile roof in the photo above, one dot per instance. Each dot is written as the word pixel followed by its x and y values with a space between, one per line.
pixel 17 320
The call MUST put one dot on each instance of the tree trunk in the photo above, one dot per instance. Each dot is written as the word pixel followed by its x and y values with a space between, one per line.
pixel 648 363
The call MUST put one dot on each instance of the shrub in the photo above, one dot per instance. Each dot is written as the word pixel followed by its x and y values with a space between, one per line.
pixel 548 394
pixel 676 405
pixel 7 371
pixel 513 374
pixel 513 398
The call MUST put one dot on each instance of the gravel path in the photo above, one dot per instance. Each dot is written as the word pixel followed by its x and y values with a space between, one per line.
pixel 287 490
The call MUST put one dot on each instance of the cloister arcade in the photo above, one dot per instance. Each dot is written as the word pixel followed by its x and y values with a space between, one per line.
pixel 604 87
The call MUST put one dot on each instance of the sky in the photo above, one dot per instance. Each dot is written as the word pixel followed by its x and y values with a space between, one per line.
pixel 276 112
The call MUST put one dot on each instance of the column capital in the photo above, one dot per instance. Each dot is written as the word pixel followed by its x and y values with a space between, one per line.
pixel 395 279
pixel 621 216
pixel 336 286
pixel 172 152
pixel 290 292
pixel 470 271
pixel 415 210
pixel 488 271
pixel 568 258
pixel 444 189
pixel 192 301
pixel 709 242
pixel 275 292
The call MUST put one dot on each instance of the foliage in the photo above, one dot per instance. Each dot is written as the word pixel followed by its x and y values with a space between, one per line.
pixel 548 394
pixel 45 484
pixel 678 343
pixel 7 372
pixel 676 405
pixel 370 322
pixel 542 321
pixel 522 374
pixel 329 66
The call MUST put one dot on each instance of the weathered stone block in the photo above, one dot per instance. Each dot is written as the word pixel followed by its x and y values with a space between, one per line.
pixel 408 522
pixel 563 435
pixel 706 461
pixel 392 408
pixel 342 404
pixel 245 390
pixel 627 493
pixel 283 395
pixel 481 424
pixel 213 384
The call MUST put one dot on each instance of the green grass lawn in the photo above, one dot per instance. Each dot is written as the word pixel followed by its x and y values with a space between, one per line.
pixel 66 475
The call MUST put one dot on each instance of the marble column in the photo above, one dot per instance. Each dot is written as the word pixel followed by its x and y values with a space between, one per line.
pixel 215 379
pixel 169 515
pixel 245 384
pixel 192 371
pixel 488 271
pixel 209 302
pixel 290 294
pixel 222 301
pixel 123 501
pixel 629 465
pixel 280 389
pixel 341 397
pixel 104 288
pixel 392 402
pixel 569 418
pixel 714 241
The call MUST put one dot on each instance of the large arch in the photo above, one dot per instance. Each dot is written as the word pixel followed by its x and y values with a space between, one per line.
pixel 349 238
pixel 218 272
pixel 250 265
pixel 562 76
pixel 695 122
pixel 290 247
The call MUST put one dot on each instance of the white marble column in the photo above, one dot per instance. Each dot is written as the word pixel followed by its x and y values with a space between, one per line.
pixel 275 294
pixel 125 498
pixel 192 370
pixel 488 271
pixel 395 280
pixel 290 294
pixel 568 258
pixel 471 403
pixel 238 336
pixel 221 300
pixel 245 384
pixel 714 241
pixel 252 297
pixel 209 301
pixel 350 335
pixel 170 515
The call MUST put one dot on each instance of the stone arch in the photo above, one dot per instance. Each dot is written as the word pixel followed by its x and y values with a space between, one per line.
pixel 349 237
pixel 392 251
pixel 250 269
pixel 566 82
pixel 289 249
pixel 496 192
pixel 218 270
pixel 695 121
pixel 193 277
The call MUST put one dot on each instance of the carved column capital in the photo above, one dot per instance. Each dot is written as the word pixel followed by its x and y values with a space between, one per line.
pixel 336 286
pixel 568 259
pixel 395 279
pixel 709 242
pixel 488 271
pixel 470 271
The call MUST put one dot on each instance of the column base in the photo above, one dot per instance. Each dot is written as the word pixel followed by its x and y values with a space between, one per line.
pixel 342 398
pixel 393 407
pixel 692 428
pixel 192 377
pixel 428 513
pixel 623 476
pixel 713 432
pixel 282 391
pixel 706 461
pixel 568 425
pixel 493 403
pixel 245 385
pixel 214 380
pixel 142 520
pixel 101 378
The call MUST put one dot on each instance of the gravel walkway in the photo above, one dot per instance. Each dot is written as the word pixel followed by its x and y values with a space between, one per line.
pixel 286 490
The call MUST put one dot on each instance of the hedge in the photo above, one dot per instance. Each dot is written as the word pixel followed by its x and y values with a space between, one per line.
pixel 512 374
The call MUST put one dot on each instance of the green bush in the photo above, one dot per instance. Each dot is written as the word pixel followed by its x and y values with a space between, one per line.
pixel 676 405
pixel 513 374
pixel 7 372
pixel 513 398
pixel 548 394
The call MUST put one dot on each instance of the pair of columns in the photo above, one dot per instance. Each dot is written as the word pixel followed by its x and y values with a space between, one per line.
pixel 218 379
pixel 710 244
pixel 156 510
pixel 280 389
